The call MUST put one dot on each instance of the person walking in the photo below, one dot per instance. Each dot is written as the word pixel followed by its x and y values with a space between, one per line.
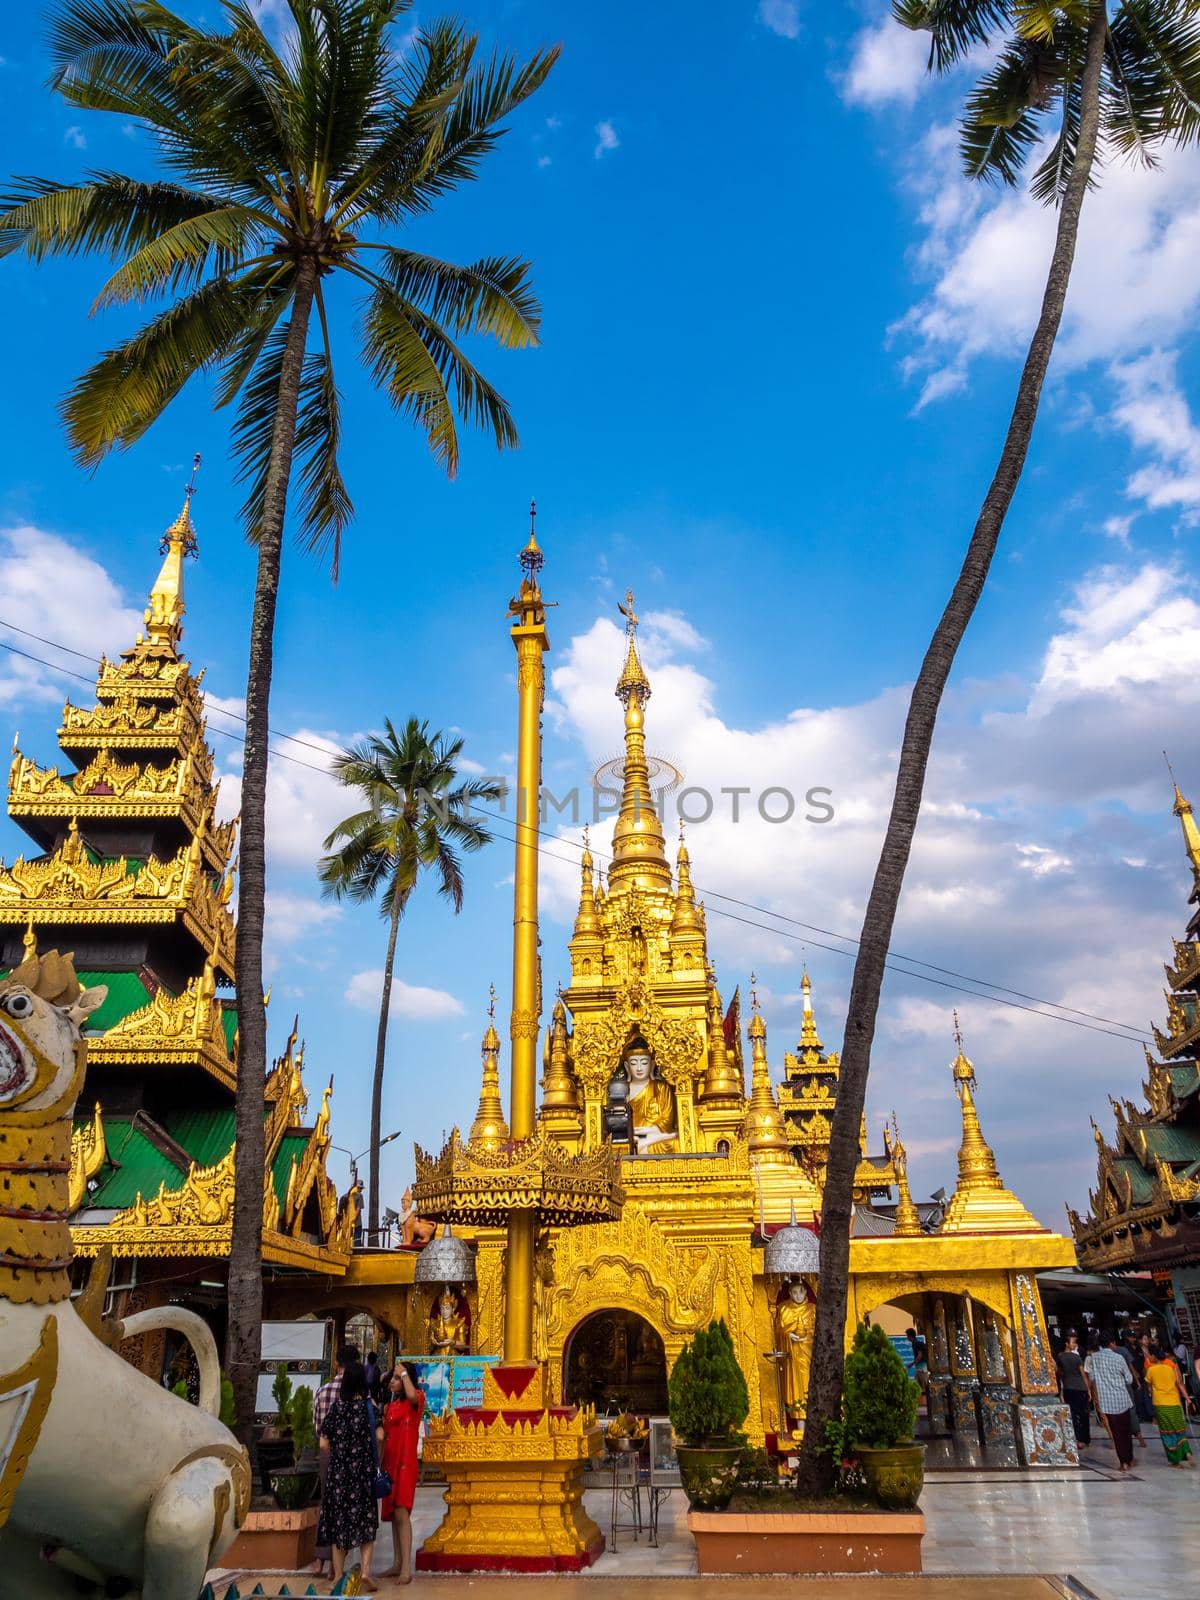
pixel 374 1376
pixel 1072 1385
pixel 1165 1384
pixel 1110 1377
pixel 401 1461
pixel 1131 1349
pixel 325 1396
pixel 349 1509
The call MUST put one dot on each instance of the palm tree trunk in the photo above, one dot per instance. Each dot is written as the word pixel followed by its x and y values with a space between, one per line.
pixel 244 1337
pixel 385 1002
pixel 817 1467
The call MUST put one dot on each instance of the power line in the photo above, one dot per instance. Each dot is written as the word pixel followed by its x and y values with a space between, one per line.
pixel 1059 1012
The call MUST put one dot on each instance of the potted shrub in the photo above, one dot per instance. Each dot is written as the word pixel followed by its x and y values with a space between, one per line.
pixel 274 1448
pixel 708 1403
pixel 880 1412
pixel 295 1484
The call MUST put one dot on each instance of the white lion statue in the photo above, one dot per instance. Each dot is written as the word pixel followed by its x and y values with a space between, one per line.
pixel 109 1484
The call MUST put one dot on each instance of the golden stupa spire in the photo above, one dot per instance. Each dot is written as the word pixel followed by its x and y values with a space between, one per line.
pixel 764 1126
pixel 980 1202
pixel 164 615
pixel 686 917
pixel 721 1080
pixel 809 1037
pixel 586 920
pixel 489 1128
pixel 639 849
pixel 1187 821
pixel 908 1218
pixel 559 1091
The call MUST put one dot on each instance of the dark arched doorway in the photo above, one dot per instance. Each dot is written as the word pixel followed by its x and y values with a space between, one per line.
pixel 615 1361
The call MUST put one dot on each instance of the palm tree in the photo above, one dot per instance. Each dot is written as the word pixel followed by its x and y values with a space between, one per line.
pixel 416 811
pixel 286 166
pixel 1124 85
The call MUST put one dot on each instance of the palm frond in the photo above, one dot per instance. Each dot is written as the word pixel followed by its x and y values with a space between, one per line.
pixel 955 27
pixel 117 399
pixel 109 215
pixel 214 242
pixel 326 506
pixel 490 296
pixel 1164 38
pixel 1000 122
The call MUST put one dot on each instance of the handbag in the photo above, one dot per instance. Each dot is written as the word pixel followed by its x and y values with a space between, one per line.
pixel 383 1480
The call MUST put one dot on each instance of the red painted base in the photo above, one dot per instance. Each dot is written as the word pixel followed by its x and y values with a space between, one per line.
pixel 469 1563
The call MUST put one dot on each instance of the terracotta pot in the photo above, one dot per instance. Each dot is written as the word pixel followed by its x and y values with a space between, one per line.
pixel 708 1474
pixel 294 1487
pixel 894 1476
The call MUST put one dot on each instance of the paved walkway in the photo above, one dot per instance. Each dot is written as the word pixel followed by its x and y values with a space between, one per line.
pixel 990 1535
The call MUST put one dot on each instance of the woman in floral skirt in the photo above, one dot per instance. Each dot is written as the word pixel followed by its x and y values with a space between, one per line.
pixel 349 1510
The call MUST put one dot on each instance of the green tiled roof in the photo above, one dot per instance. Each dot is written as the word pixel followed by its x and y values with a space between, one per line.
pixel 134 1166
pixel 1168 1142
pixel 294 1144
pixel 1185 1079
pixel 126 993
pixel 205 1135
pixel 229 1021
pixel 1143 1181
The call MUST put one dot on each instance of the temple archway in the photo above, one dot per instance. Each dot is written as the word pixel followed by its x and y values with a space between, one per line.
pixel 616 1361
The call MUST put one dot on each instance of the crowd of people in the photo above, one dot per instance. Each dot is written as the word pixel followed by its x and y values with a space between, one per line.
pixel 1125 1380
pixel 370 1437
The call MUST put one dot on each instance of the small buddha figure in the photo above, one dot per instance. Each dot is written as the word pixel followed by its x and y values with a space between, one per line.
pixel 795 1319
pixel 651 1104
pixel 448 1334
pixel 415 1231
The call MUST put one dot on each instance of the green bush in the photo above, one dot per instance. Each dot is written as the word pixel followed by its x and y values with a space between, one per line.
pixel 281 1393
pixel 228 1412
pixel 304 1435
pixel 707 1393
pixel 879 1397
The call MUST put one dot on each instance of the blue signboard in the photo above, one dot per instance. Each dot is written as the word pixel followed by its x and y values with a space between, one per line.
pixel 467 1387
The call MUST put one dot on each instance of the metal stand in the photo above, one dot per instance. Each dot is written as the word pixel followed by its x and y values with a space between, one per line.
pixel 626 1468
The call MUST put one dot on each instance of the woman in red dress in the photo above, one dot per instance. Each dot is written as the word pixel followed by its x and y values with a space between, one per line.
pixel 399 1457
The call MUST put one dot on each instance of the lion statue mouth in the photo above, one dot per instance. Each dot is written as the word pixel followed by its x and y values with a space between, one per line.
pixel 14 1064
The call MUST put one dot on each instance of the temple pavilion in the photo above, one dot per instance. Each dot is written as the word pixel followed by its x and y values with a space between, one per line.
pixel 132 872
pixel 642 1054
pixel 1144 1213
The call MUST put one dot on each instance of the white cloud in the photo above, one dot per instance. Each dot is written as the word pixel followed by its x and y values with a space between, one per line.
pixel 291 917
pixel 56 589
pixel 1020 872
pixel 304 800
pixel 76 138
pixel 1154 412
pixel 1136 279
pixel 781 16
pixel 889 65
pixel 408 999
pixel 545 161
pixel 606 139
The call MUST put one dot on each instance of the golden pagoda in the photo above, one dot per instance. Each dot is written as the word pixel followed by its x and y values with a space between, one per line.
pixel 1142 1213
pixel 642 1059
pixel 134 875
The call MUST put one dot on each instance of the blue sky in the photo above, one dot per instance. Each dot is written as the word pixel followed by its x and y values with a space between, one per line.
pixel 780 342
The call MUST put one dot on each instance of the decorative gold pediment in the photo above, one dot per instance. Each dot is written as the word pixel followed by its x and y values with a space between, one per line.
pixel 480 1184
pixel 89 1151
pixel 599 1043
pixel 145 676
pixel 1186 971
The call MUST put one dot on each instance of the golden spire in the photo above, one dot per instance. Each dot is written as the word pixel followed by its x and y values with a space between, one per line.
pixel 639 849
pixel 1191 833
pixel 559 1091
pixel 721 1079
pixel 164 615
pixel 980 1202
pixel 685 918
pixel 908 1218
pixel 764 1126
pixel 586 920
pixel 809 1038
pixel 489 1128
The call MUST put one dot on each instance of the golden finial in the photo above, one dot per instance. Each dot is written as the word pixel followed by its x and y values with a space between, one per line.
pixel 980 1202
pixel 489 1128
pixel 16 742
pixel 757 1028
pixel 908 1218
pixel 763 1126
pixel 532 558
pixel 29 941
pixel 639 848
pixel 1187 821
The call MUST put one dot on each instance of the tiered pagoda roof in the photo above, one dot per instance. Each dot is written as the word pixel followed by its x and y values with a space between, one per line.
pixel 134 874
pixel 1142 1212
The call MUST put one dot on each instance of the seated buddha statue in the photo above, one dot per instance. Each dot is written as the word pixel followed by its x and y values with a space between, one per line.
pixel 651 1104
pixel 448 1331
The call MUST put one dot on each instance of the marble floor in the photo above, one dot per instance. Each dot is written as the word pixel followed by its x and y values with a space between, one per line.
pixel 1119 1538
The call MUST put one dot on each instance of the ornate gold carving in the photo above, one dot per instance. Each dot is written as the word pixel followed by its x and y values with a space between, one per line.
pixel 89 1152
pixel 677 1046
pixel 523 1025
pixel 480 1185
